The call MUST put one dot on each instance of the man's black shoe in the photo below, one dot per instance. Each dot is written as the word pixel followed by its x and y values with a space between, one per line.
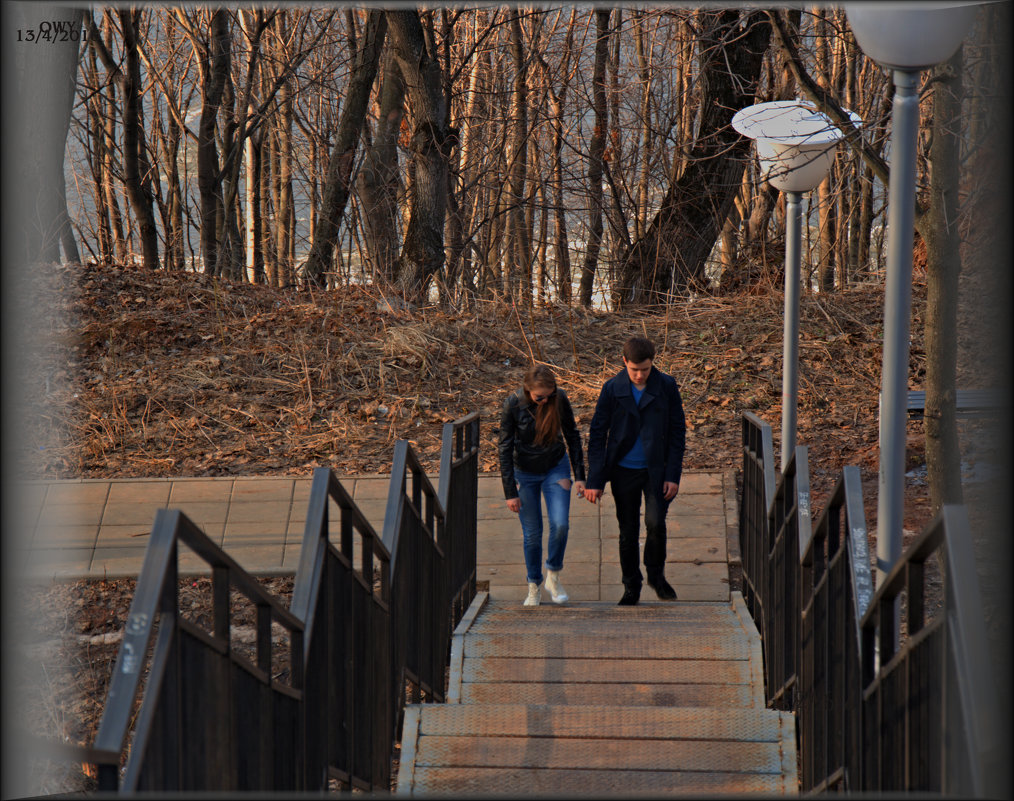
pixel 630 597
pixel 663 589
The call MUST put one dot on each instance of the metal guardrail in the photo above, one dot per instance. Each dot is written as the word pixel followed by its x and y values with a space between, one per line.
pixel 789 531
pixel 758 494
pixel 369 617
pixel 871 716
pixel 459 487
pixel 210 718
pixel 836 586
pixel 343 592
pixel 932 701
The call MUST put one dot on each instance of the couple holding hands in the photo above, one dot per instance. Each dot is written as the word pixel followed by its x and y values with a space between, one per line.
pixel 636 442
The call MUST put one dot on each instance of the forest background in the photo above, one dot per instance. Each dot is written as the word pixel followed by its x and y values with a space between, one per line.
pixel 246 240
pixel 515 160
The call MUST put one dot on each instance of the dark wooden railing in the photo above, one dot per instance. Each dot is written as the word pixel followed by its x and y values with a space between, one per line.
pixel 369 627
pixel 878 710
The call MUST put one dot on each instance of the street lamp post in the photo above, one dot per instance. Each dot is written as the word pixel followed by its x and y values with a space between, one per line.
pixel 907 38
pixel 796 146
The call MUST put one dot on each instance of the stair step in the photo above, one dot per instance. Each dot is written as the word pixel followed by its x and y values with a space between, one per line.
pixel 506 613
pixel 477 782
pixel 650 749
pixel 567 644
pixel 599 722
pixel 592 698
pixel 606 671
pixel 642 695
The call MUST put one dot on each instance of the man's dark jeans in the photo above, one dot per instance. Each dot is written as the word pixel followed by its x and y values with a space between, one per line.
pixel 628 487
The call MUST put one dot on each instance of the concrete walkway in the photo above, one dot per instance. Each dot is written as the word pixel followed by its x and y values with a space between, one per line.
pixel 98 528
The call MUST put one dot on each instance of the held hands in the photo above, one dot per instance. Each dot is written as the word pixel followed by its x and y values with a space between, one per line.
pixel 669 491
pixel 579 487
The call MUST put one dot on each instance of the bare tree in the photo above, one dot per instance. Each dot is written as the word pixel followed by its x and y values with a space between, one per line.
pixel 422 253
pixel 943 458
pixel 672 253
pixel 378 181
pixel 343 153
pixel 596 150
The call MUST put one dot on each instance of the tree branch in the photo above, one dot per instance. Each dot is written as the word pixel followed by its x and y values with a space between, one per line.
pixel 824 100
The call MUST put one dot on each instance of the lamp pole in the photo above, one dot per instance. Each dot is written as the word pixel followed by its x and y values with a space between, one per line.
pixel 897 310
pixel 906 38
pixel 796 146
pixel 790 335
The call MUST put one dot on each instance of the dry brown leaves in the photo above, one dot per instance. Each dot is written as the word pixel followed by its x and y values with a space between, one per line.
pixel 183 375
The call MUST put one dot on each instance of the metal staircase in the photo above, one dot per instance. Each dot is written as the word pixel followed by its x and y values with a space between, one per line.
pixel 596 698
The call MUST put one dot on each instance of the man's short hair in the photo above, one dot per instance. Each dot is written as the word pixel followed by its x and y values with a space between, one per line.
pixel 637 349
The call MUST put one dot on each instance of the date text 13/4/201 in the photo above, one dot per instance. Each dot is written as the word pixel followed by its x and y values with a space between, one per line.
pixel 52 33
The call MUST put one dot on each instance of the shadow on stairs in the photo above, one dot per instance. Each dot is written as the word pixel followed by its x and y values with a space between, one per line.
pixel 593 698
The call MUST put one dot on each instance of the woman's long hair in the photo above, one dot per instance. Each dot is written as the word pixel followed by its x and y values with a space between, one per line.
pixel 547 415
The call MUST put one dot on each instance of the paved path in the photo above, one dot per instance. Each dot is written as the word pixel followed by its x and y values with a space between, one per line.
pixel 98 528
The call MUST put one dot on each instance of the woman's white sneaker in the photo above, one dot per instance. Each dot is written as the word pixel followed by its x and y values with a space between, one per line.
pixel 556 590
pixel 534 594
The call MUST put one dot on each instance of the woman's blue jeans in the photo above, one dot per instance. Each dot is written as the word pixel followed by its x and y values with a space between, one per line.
pixel 531 488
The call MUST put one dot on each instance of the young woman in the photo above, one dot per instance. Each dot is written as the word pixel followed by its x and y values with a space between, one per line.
pixel 537 431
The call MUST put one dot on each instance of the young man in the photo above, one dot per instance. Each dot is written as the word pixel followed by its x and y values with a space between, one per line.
pixel 636 442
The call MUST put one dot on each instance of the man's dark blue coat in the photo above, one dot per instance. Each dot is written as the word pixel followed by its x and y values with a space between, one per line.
pixel 617 421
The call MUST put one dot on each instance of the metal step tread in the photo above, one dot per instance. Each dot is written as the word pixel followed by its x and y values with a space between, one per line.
pixel 656 644
pixel 725 696
pixel 588 670
pixel 546 746
pixel 477 782
pixel 592 698
pixel 598 722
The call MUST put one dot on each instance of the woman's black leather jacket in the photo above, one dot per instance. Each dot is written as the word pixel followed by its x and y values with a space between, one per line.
pixel 517 441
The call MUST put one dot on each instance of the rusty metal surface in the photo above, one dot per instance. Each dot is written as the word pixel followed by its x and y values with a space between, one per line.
pixel 598 722
pixel 605 671
pixel 696 695
pixel 497 613
pixel 623 645
pixel 621 783
pixel 598 754
pixel 553 624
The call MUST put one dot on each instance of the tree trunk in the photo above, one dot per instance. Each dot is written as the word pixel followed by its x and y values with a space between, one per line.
pixel 96 134
pixel 646 144
pixel 596 150
pixel 215 65
pixel 422 253
pixel 343 153
pixel 519 272
pixel 672 254
pixel 825 266
pixel 378 181
pixel 135 162
pixel 284 208
pixel 943 457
